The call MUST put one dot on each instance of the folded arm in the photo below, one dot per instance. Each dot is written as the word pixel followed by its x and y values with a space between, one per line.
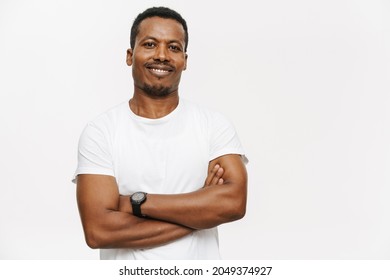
pixel 105 226
pixel 207 207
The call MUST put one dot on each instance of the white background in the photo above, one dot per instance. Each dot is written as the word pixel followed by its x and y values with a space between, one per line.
pixel 306 84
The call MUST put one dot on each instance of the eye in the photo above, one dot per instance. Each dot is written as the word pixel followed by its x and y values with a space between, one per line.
pixel 149 45
pixel 175 48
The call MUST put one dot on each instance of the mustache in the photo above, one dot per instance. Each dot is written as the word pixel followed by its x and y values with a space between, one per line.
pixel 160 65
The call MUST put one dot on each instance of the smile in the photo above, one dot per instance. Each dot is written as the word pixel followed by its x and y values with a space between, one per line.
pixel 160 71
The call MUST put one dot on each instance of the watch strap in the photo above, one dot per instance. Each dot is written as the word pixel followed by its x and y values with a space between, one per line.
pixel 137 210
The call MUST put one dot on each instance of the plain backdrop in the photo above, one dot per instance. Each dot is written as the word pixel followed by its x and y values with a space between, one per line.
pixel 306 84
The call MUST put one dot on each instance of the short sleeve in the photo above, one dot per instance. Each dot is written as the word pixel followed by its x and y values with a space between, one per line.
pixel 224 139
pixel 94 155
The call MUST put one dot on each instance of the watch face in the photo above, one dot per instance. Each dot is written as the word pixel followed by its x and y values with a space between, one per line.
pixel 138 196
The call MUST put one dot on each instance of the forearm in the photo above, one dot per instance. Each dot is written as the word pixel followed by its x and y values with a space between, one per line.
pixel 123 230
pixel 219 201
pixel 205 208
pixel 106 227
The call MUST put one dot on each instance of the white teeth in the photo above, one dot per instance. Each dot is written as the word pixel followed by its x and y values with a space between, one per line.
pixel 160 70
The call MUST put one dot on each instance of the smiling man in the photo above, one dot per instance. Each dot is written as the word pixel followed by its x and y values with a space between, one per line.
pixel 156 175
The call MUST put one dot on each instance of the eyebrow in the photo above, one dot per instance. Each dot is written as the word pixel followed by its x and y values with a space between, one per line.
pixel 155 39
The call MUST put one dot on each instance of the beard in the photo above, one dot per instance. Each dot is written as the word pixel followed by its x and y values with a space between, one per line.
pixel 156 91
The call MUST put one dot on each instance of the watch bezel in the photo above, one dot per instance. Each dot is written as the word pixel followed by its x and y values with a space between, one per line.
pixel 136 199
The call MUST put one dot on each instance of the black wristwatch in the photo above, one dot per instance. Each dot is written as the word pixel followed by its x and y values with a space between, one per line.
pixel 136 199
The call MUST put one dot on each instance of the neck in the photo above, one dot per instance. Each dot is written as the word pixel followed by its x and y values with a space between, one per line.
pixel 153 108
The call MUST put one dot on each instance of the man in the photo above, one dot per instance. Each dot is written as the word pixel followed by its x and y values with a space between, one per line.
pixel 157 175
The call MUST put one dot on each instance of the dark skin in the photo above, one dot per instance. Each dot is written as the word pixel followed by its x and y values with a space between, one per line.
pixel 106 225
pixel 157 61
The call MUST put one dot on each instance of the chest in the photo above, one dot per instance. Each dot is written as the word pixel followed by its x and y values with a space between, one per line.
pixel 161 159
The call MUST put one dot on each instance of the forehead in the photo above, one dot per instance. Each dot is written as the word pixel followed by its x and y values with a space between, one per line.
pixel 161 29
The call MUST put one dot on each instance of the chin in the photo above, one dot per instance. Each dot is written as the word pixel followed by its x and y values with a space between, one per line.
pixel 157 91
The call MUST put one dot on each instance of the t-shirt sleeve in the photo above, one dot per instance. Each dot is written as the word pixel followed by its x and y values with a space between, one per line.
pixel 224 139
pixel 94 155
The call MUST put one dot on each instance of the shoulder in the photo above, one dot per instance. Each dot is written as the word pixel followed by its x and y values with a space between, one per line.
pixel 106 123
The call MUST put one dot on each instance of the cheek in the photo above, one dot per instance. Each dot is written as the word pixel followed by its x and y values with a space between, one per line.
pixel 181 64
pixel 138 67
pixel 184 64
pixel 138 75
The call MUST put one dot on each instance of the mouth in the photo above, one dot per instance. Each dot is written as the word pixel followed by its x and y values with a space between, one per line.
pixel 160 70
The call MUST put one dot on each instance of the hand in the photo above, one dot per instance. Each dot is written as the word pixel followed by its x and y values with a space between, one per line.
pixel 214 176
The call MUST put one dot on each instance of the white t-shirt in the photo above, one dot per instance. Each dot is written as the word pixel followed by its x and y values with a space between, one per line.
pixel 164 156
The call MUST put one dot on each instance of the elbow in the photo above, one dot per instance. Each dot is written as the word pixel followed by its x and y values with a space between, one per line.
pixel 237 210
pixel 241 213
pixel 92 243
pixel 233 213
pixel 238 213
pixel 232 209
pixel 94 239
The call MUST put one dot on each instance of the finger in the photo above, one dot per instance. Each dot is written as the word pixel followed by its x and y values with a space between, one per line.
pixel 211 174
pixel 220 181
pixel 218 175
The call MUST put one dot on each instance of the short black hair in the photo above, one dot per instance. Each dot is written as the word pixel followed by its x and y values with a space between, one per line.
pixel 162 12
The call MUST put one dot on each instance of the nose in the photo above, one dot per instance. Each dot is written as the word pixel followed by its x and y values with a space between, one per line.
pixel 161 53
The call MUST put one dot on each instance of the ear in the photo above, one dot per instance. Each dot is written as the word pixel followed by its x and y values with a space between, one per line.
pixel 185 62
pixel 129 57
